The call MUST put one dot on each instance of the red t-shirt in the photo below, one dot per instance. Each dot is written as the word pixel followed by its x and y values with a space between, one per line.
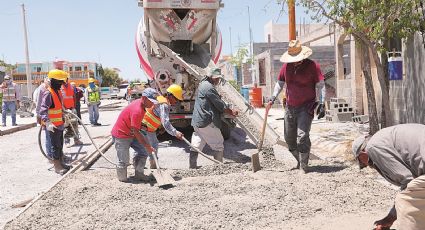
pixel 300 81
pixel 130 117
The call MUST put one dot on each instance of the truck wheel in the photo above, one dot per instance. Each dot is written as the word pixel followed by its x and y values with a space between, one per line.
pixel 225 130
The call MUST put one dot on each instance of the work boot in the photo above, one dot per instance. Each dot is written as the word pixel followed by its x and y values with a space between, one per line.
pixel 218 155
pixel 122 174
pixel 304 162
pixel 59 169
pixel 193 157
pixel 139 168
pixel 152 163
pixel 297 157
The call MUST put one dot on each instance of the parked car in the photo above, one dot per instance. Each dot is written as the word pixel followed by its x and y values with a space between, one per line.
pixel 115 92
pixel 105 92
pixel 122 94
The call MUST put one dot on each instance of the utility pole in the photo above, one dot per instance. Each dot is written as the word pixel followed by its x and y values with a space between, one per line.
pixel 291 10
pixel 251 48
pixel 27 57
pixel 231 49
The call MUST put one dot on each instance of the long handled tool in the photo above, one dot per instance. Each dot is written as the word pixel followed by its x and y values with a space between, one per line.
pixel 163 178
pixel 255 158
pixel 200 152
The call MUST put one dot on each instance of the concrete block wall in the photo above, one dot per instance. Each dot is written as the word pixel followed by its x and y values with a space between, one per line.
pixel 339 111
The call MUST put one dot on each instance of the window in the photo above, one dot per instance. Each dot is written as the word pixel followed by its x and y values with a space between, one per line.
pixel 77 68
pixel 85 68
pixel 70 68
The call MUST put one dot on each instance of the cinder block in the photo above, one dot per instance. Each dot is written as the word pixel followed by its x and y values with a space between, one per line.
pixel 360 119
pixel 337 100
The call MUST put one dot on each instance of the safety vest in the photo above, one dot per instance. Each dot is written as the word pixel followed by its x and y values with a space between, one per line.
pixel 68 96
pixel 150 120
pixel 9 93
pixel 93 94
pixel 55 114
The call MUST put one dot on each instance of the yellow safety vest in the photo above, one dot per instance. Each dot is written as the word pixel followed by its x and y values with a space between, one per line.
pixel 93 95
pixel 150 120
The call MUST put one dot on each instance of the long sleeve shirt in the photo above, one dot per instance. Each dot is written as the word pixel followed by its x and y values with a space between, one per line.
pixel 163 111
pixel 46 104
pixel 398 154
pixel 208 106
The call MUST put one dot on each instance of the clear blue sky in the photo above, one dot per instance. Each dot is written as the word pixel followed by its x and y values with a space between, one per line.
pixel 104 31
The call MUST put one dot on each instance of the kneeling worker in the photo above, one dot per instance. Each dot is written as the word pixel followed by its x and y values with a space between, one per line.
pixel 126 134
pixel 160 114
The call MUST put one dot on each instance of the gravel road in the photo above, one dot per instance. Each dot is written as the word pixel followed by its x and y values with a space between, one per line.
pixel 334 195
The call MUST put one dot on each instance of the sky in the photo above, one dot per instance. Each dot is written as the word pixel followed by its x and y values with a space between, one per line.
pixel 104 31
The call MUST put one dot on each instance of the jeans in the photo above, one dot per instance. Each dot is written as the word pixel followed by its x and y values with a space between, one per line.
pixel 122 146
pixel 93 113
pixel 78 109
pixel 297 128
pixel 8 106
pixel 56 141
pixel 48 144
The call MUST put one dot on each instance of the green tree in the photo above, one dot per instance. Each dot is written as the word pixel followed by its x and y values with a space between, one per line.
pixel 241 56
pixel 372 23
pixel 110 78
pixel 8 67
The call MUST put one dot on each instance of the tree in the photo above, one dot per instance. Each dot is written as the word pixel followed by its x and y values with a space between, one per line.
pixel 110 78
pixel 241 56
pixel 8 67
pixel 372 22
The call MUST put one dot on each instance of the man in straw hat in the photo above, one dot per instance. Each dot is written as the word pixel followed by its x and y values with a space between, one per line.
pixel 398 154
pixel 303 79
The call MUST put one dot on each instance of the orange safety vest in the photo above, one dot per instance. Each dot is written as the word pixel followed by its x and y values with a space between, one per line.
pixel 150 120
pixel 68 96
pixel 55 114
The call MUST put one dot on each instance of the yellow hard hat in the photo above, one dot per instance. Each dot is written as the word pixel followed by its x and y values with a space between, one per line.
pixel 91 80
pixel 176 90
pixel 58 74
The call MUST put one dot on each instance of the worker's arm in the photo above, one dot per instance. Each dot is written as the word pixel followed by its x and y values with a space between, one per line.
pixel 165 121
pixel 141 139
pixel 213 96
pixel 321 89
pixel 46 102
pixel 277 89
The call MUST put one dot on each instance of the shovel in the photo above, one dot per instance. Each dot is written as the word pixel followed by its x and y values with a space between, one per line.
pixel 163 178
pixel 255 158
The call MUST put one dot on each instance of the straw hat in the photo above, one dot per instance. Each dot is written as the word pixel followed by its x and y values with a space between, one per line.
pixel 296 52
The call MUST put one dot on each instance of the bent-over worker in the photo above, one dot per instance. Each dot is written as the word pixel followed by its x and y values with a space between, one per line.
pixel 398 154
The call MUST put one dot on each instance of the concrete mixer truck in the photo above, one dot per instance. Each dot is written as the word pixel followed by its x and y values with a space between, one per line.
pixel 177 41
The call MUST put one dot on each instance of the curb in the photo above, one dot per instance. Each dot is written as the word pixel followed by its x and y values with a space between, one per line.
pixel 34 124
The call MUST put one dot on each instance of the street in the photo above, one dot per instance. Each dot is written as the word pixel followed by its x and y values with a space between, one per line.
pixel 334 195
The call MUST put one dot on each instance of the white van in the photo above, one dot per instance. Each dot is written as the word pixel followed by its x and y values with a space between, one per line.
pixel 122 94
pixel 105 92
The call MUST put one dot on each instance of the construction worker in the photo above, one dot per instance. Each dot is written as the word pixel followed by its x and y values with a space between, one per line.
pixel 69 103
pixel 37 95
pixel 11 98
pixel 126 134
pixel 207 115
pixel 398 154
pixel 51 114
pixel 160 114
pixel 92 94
pixel 78 95
pixel 303 78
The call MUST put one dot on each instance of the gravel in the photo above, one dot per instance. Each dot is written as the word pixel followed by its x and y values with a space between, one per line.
pixel 227 197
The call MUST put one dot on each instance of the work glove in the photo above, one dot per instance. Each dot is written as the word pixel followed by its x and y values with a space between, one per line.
pixel 320 111
pixel 50 126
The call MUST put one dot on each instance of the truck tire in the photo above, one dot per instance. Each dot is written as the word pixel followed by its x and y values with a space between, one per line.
pixel 225 130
